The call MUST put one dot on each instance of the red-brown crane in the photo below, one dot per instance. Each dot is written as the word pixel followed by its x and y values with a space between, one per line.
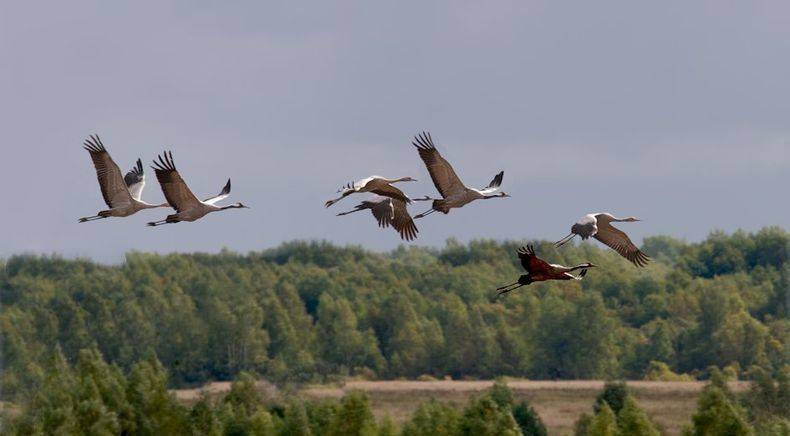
pixel 538 270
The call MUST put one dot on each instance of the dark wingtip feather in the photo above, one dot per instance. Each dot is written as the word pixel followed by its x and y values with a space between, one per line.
pixel 93 144
pixel 163 163
pixel 226 189
pixel 497 180
pixel 423 141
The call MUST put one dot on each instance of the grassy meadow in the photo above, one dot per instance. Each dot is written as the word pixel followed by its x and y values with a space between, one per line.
pixel 559 403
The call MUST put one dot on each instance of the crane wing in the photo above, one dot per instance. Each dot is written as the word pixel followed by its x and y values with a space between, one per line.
pixel 494 185
pixel 219 197
pixel 383 188
pixel 402 221
pixel 135 180
pixel 383 211
pixel 442 173
pixel 532 263
pixel 111 182
pixel 176 191
pixel 619 242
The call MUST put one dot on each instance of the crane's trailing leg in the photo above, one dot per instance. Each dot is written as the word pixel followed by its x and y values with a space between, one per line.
pixel 426 213
pixel 564 240
pixel 511 287
pixel 98 216
pixel 91 218
pixel 170 219
pixel 356 209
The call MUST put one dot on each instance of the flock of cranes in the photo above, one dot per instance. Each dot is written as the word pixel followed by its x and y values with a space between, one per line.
pixel 122 193
pixel 389 205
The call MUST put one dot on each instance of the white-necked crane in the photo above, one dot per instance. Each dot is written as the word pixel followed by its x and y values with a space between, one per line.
pixel 376 185
pixel 454 192
pixel 599 226
pixel 121 193
pixel 178 194
pixel 390 212
pixel 538 270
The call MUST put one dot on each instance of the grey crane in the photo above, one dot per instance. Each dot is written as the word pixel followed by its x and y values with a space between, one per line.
pixel 121 193
pixel 389 212
pixel 454 193
pixel 178 194
pixel 376 185
pixel 599 226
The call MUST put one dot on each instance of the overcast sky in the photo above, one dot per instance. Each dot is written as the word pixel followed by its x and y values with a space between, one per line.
pixel 677 112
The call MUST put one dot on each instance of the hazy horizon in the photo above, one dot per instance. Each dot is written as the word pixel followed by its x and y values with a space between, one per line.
pixel 674 112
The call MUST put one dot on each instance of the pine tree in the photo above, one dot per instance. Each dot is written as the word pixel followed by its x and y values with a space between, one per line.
pixel 716 415
pixel 633 421
pixel 484 417
pixel 603 423
pixel 387 427
pixel 156 410
pixel 353 417
pixel 433 418
pixel 614 394
pixel 529 420
pixel 295 422
pixel 321 415
pixel 51 410
pixel 202 419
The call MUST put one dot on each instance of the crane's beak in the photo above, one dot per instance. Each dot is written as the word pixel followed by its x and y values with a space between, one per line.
pixel 591 265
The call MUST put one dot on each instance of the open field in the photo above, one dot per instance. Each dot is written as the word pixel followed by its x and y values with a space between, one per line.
pixel 559 403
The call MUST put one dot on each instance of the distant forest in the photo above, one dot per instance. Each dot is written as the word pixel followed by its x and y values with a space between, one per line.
pixel 312 311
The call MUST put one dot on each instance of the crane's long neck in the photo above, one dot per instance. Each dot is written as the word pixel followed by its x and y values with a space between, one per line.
pixel 624 220
pixel 399 179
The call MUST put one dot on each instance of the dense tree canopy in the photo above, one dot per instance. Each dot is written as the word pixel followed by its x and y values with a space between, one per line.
pixel 94 397
pixel 309 310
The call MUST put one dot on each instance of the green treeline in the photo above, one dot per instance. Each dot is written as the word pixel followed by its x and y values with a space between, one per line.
pixel 763 410
pixel 312 311
pixel 94 397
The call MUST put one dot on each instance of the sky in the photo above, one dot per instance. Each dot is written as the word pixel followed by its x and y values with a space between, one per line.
pixel 675 112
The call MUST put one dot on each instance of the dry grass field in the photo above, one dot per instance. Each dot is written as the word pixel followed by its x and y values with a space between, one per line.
pixel 559 403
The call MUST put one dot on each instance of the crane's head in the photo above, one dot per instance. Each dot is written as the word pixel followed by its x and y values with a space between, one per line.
pixel 504 194
pixel 631 219
pixel 408 179
pixel 240 206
